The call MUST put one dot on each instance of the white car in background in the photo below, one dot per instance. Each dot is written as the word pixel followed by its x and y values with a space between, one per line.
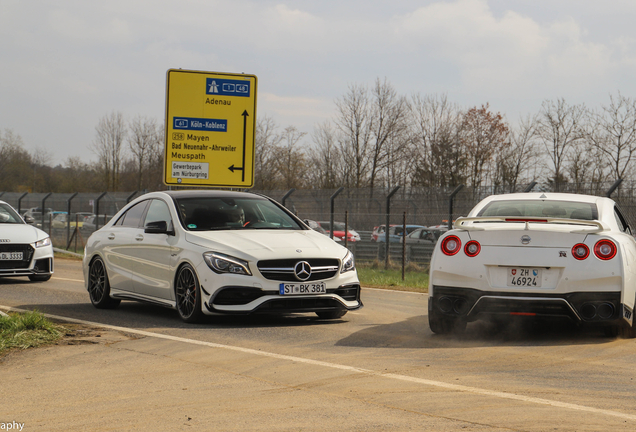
pixel 24 249
pixel 538 256
pixel 218 252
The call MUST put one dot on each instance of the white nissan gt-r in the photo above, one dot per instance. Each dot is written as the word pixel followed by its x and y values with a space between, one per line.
pixel 538 255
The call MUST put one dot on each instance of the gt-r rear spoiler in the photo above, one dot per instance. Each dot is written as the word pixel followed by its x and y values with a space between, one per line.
pixel 595 226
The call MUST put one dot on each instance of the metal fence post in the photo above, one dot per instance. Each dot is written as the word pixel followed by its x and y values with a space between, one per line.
pixel 386 227
pixel 451 198
pixel 130 197
pixel 20 202
pixel 611 190
pixel 333 199
pixel 68 218
pixel 97 210
pixel 43 203
pixel 287 195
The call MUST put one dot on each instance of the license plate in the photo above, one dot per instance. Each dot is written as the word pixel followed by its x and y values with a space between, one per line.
pixel 10 256
pixel 524 277
pixel 302 289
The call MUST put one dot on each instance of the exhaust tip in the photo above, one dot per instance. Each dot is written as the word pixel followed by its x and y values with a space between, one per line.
pixel 588 311
pixel 605 310
pixel 445 304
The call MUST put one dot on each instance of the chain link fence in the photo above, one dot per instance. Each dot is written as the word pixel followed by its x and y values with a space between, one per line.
pixel 363 209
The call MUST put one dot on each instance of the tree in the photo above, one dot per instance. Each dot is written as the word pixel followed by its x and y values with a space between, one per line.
pixel 266 140
pixel 143 140
pixel 328 170
pixel 484 135
pixel 108 146
pixel 560 126
pixel 290 161
pixel 519 158
pixel 16 171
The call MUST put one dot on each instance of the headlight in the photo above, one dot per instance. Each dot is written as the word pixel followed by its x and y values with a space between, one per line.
pixel 43 242
pixel 348 263
pixel 220 263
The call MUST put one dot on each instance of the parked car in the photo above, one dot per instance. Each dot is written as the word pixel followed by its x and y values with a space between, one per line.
pixel 90 223
pixel 24 249
pixel 218 252
pixel 536 256
pixel 339 231
pixel 396 232
pixel 316 227
pixel 61 220
pixel 423 236
pixel 34 216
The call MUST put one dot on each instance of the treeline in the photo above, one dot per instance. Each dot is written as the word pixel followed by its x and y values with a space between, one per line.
pixel 377 138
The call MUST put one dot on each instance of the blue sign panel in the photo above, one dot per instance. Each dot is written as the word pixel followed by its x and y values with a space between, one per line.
pixel 200 124
pixel 227 87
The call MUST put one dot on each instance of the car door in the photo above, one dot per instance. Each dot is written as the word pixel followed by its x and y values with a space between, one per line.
pixel 154 254
pixel 118 247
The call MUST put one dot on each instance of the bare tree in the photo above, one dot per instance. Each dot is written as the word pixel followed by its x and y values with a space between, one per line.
pixel 266 141
pixel 613 133
pixel 328 170
pixel 518 161
pixel 560 126
pixel 144 138
pixel 435 134
pixel 290 161
pixel 108 146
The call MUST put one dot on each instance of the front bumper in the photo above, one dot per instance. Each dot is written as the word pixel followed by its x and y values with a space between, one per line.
pixel 250 300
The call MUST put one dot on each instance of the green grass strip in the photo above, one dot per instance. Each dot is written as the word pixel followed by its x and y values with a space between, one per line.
pixel 27 330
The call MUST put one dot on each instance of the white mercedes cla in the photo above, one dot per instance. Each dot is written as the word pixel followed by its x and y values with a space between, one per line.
pixel 218 252
pixel 537 256
pixel 24 249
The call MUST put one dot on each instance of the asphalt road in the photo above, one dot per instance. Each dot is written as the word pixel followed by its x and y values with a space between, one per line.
pixel 378 368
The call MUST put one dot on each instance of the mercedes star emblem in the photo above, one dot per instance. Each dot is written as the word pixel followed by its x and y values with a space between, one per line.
pixel 302 270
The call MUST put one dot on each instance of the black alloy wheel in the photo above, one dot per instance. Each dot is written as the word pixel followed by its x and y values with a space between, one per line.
pixel 99 287
pixel 188 295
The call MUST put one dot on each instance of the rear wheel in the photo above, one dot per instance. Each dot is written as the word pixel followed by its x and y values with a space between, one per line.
pixel 188 295
pixel 99 287
pixel 331 314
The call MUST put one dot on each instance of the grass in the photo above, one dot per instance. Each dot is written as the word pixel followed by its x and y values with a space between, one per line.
pixel 374 275
pixel 27 330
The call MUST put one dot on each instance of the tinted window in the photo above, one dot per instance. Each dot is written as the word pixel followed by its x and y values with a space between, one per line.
pixel 158 211
pixel 214 213
pixel 541 208
pixel 132 217
pixel 8 215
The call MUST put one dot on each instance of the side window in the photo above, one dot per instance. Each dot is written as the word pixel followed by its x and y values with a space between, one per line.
pixel 132 217
pixel 621 221
pixel 158 211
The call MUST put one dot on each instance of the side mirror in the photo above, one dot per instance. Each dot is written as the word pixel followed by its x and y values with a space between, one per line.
pixel 157 227
pixel 29 219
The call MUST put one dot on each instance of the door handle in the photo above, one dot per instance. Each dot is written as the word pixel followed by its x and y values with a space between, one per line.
pixel 139 237
pixel 111 236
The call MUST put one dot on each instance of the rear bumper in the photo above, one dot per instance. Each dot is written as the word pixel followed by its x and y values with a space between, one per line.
pixel 579 307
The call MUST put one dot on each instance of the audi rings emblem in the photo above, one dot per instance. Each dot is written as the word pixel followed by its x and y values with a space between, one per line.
pixel 525 239
pixel 302 270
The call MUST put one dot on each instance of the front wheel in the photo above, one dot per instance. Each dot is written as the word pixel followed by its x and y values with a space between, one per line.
pixel 188 295
pixel 99 286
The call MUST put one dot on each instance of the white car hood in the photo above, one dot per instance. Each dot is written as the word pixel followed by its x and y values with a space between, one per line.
pixel 262 244
pixel 20 233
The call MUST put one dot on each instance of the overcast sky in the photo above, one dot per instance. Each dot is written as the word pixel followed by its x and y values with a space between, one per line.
pixel 66 63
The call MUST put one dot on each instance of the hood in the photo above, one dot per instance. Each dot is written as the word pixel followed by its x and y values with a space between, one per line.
pixel 268 244
pixel 21 233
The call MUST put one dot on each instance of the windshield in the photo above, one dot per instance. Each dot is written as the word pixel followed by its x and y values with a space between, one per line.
pixel 541 208
pixel 8 215
pixel 213 213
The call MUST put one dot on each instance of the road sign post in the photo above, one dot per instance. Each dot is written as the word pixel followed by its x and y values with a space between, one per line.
pixel 210 128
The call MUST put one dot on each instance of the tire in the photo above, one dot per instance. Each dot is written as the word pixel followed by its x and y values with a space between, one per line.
pixel 440 324
pixel 39 278
pixel 99 286
pixel 329 315
pixel 188 295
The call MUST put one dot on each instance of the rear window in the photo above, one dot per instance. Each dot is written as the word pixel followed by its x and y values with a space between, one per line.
pixel 542 208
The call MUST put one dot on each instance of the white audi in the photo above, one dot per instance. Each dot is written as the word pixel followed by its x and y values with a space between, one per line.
pixel 24 249
pixel 218 252
pixel 537 255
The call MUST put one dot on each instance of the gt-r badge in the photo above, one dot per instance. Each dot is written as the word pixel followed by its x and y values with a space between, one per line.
pixel 525 239
pixel 563 254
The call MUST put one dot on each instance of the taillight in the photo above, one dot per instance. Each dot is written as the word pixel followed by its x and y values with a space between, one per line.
pixel 451 245
pixel 580 251
pixel 472 248
pixel 605 249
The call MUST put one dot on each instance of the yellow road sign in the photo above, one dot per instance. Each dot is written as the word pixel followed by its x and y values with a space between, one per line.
pixel 210 126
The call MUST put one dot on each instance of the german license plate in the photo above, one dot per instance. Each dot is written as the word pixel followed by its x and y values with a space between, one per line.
pixel 302 288
pixel 10 256
pixel 524 277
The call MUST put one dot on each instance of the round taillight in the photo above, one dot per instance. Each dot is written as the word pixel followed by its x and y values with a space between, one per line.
pixel 472 248
pixel 605 249
pixel 451 245
pixel 580 251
